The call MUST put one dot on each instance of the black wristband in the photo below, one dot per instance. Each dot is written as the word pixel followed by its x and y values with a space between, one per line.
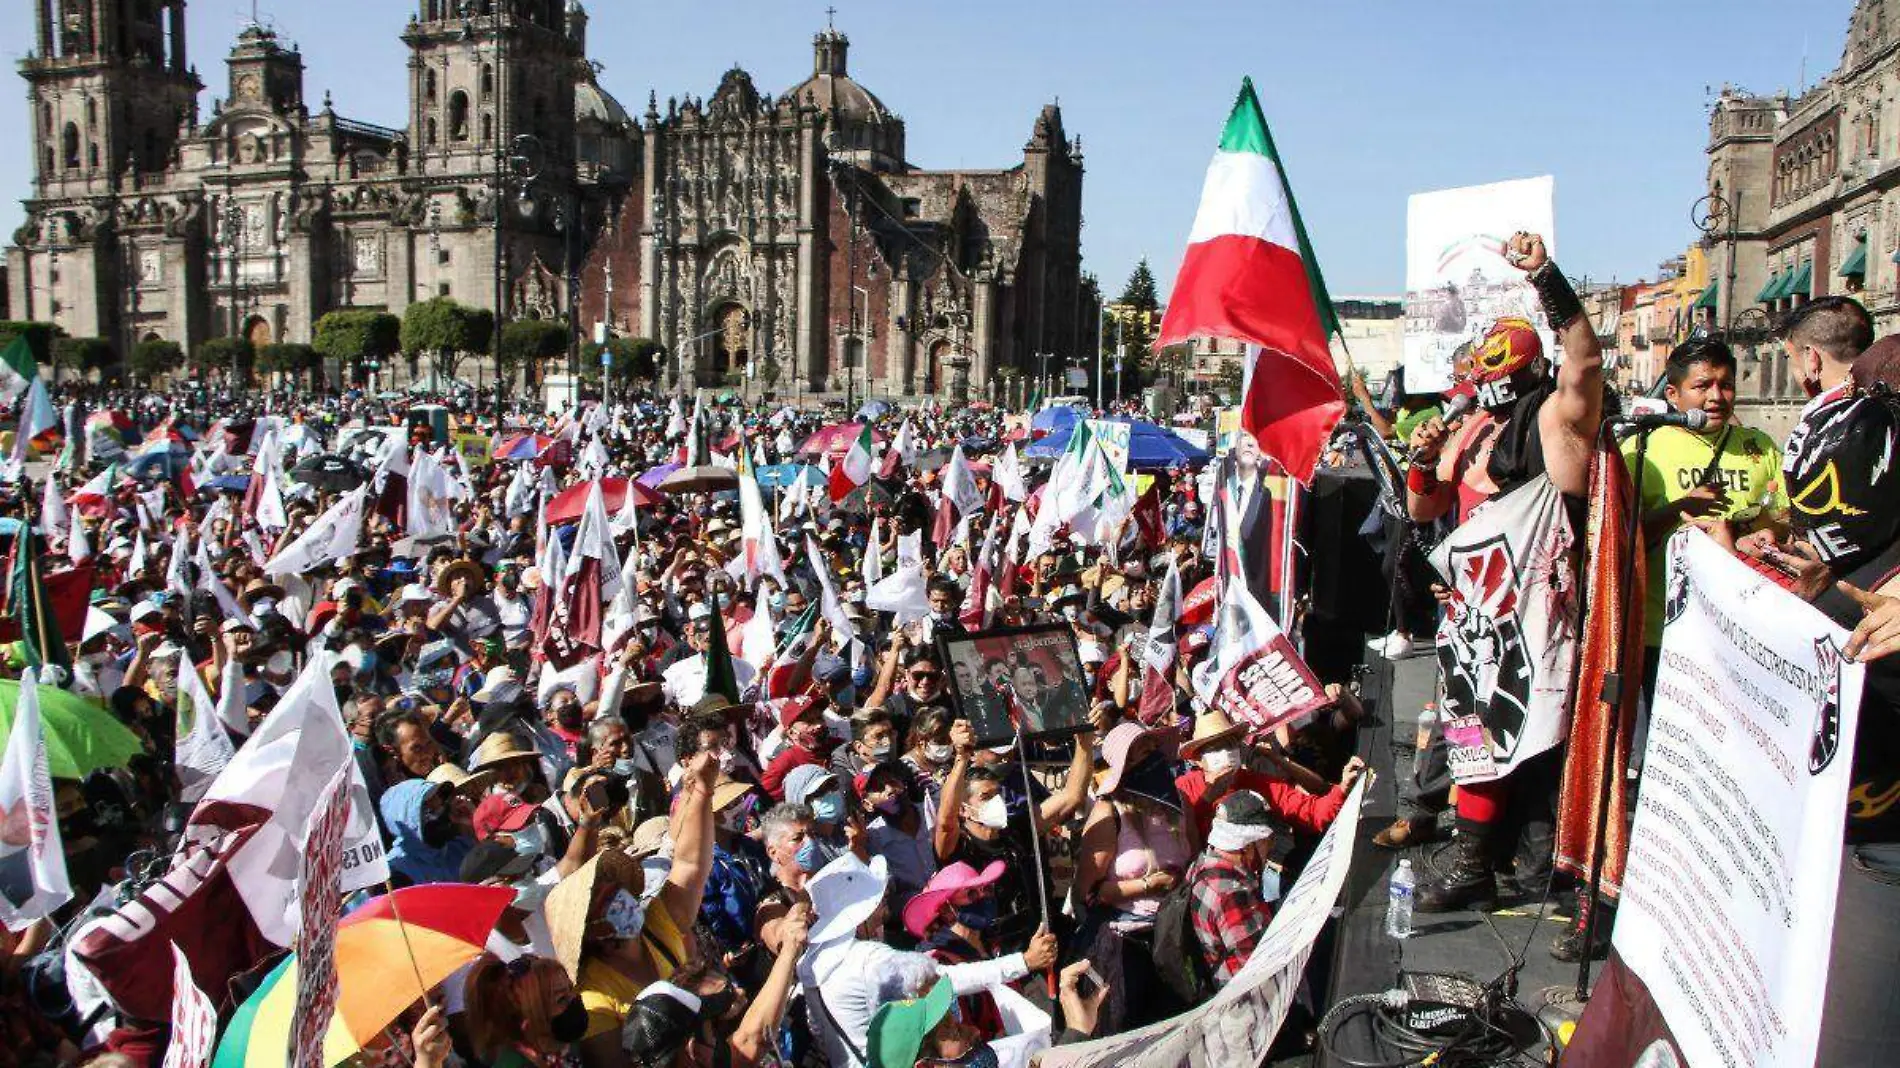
pixel 1553 291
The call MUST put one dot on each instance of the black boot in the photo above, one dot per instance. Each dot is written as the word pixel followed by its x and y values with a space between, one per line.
pixel 1568 946
pixel 1468 883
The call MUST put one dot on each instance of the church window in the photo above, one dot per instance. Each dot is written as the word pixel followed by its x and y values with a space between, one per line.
pixel 92 114
pixel 458 116
pixel 92 156
pixel 488 82
pixel 428 86
pixel 46 118
pixel 46 160
pixel 69 148
pixel 428 137
pixel 488 128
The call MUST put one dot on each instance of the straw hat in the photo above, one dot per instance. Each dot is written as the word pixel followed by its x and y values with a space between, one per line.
pixel 445 581
pixel 257 588
pixel 728 792
pixel 498 749
pixel 1211 729
pixel 845 893
pixel 648 838
pixel 452 776
pixel 570 904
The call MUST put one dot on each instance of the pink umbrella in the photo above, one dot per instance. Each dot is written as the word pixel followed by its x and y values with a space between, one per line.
pixel 566 505
pixel 836 440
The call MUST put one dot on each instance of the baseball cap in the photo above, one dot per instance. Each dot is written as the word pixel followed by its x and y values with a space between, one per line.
pixel 499 813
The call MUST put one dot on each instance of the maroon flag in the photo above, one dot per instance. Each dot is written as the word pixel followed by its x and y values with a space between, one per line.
pixel 392 501
pixel 1147 517
pixel 974 613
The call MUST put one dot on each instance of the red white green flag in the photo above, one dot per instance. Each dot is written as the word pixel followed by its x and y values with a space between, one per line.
pixel 855 469
pixel 1250 275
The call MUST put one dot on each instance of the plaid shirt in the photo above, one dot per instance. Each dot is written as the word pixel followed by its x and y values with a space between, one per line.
pixel 1229 916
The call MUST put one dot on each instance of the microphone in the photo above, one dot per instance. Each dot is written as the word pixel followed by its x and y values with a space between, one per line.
pixel 1694 419
pixel 1461 405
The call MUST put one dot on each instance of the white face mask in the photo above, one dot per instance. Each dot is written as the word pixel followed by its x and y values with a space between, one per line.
pixel 530 895
pixel 993 813
pixel 1220 761
pixel 939 753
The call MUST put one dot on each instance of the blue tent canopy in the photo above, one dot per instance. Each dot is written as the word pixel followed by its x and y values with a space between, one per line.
pixel 1150 447
pixel 1058 418
pixel 778 476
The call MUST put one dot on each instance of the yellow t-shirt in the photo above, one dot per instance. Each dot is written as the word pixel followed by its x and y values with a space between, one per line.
pixel 609 995
pixel 1750 469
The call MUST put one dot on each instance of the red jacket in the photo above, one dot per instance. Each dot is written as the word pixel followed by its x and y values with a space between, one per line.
pixel 1306 812
pixel 788 758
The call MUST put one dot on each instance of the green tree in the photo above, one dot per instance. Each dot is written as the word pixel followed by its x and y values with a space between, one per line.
pixel 352 336
pixel 154 357
pixel 221 354
pixel 633 358
pixel 80 354
pixel 445 331
pixel 529 342
pixel 288 358
pixel 39 337
pixel 1138 314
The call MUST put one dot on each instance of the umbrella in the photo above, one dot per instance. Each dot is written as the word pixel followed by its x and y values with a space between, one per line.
pixel 874 409
pixel 705 478
pixel 228 483
pixel 1150 447
pixel 778 476
pixel 522 446
pixel 653 476
pixel 566 505
pixel 160 463
pixel 81 736
pixel 330 473
pixel 378 961
pixel 1054 420
pixel 835 440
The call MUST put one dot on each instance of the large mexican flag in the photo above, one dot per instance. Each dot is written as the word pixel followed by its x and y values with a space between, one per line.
pixel 1250 275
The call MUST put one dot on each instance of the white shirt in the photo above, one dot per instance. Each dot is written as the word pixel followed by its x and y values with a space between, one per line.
pixel 685 682
pixel 858 976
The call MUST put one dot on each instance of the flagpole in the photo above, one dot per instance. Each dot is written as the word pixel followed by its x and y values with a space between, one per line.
pixel 1035 838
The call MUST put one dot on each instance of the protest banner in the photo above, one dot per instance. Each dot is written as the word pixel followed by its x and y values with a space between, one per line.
pixel 1457 282
pixel 1735 851
pixel 1114 438
pixel 1237 1025
pixel 1254 675
pixel 474 449
pixel 194 1019
pixel 319 899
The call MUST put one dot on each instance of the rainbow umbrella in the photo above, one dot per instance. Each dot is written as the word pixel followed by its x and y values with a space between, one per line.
pixel 378 962
pixel 522 446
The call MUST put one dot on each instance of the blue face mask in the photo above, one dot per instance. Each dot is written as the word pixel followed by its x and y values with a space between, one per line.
pixel 814 855
pixel 777 601
pixel 531 841
pixel 978 915
pixel 828 809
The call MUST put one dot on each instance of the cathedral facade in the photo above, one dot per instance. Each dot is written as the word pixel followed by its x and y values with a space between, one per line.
pixel 783 241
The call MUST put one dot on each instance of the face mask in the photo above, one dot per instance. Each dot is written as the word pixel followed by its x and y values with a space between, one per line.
pixel 993 813
pixel 343 690
pixel 626 914
pixel 727 761
pixel 437 830
pixel 891 806
pixel 814 855
pixel 1220 761
pixel 280 663
pixel 716 1006
pixel 978 915
pixel 625 768
pixel 939 753
pixel 568 716
pixel 828 809
pixel 724 600
pixel 570 1024
pixel 531 841
pixel 1270 884
pixel 881 753
pixel 777 601
pixel 530 895
pixel 1151 779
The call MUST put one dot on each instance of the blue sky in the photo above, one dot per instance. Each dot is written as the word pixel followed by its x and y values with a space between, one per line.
pixel 1369 102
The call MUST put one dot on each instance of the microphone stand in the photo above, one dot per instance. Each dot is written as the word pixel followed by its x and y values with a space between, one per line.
pixel 1612 695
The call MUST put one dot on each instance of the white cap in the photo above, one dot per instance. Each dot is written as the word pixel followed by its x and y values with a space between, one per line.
pixel 415 592
pixel 145 610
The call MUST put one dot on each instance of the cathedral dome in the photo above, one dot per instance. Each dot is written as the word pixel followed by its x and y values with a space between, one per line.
pixel 594 104
pixel 831 88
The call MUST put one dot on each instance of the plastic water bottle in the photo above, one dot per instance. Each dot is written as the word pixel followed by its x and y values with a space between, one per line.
pixel 1398 908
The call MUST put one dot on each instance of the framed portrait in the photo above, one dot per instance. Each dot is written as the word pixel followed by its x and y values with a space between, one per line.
pixel 1036 670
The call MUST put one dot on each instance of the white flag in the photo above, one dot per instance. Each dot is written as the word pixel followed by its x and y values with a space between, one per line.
pixel 842 632
pixel 903 593
pixel 1009 475
pixel 758 540
pixel 194 1034
pixel 595 540
pixel 331 537
pixel 758 640
pixel 430 513
pixel 874 553
pixel 203 748
pixel 78 546
pixel 54 518
pixel 33 881
pixel 140 554
pixel 959 484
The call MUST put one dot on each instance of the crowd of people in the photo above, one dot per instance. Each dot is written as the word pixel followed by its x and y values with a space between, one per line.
pixel 708 738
